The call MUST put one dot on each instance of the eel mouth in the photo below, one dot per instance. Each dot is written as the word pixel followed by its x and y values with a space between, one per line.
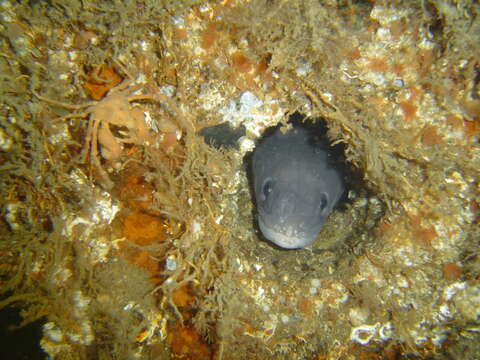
pixel 290 238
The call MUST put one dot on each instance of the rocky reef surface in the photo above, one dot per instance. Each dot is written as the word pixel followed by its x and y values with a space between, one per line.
pixel 127 235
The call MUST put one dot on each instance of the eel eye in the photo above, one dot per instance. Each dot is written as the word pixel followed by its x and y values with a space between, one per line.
pixel 323 202
pixel 267 187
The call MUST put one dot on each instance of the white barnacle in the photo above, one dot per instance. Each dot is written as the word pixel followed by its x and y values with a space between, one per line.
pixel 171 263
pixel 5 141
pixel 285 319
pixel 53 332
pixel 363 334
pixel 450 291
pixel 386 331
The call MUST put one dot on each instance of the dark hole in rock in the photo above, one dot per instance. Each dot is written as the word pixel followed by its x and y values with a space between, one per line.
pixel 222 135
pixel 317 137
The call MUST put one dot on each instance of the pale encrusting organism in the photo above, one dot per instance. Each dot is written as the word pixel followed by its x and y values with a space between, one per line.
pixel 296 184
pixel 126 221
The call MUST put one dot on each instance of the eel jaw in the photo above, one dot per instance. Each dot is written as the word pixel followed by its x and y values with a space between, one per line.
pixel 289 238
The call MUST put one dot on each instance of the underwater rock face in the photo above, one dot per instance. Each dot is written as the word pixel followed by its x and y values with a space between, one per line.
pixel 296 187
pixel 166 263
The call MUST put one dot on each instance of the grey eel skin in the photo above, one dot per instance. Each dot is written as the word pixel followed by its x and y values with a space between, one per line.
pixel 296 186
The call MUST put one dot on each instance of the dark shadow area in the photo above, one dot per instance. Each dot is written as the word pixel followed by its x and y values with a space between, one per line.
pixel 19 343
pixel 222 135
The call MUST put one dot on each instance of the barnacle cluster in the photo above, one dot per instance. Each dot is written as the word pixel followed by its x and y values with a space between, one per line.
pixel 125 235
